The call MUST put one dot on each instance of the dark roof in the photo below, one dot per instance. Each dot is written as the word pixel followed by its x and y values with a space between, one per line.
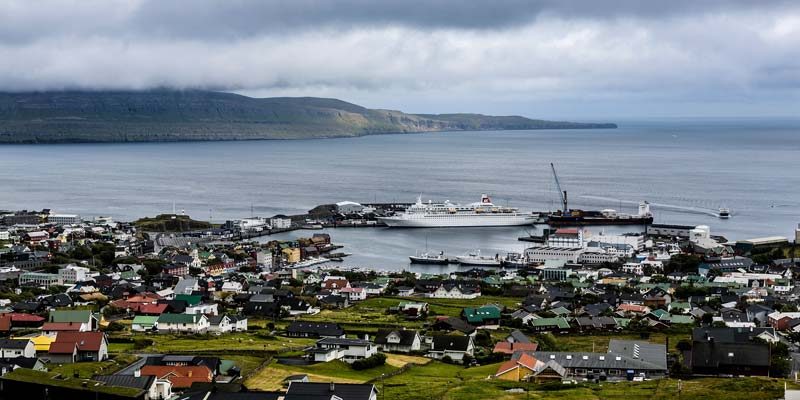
pixel 406 336
pixel 315 391
pixel 728 335
pixel 519 337
pixel 714 355
pixel 23 362
pixel 457 324
pixel 318 328
pixel 652 353
pixel 14 343
pixel 450 342
pixel 142 382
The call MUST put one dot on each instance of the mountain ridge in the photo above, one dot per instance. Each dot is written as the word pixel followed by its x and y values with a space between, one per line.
pixel 191 115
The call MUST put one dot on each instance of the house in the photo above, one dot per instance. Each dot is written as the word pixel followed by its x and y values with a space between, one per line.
pixel 555 324
pixel 297 306
pixel 330 391
pixel 354 293
pixel 12 348
pixel 780 320
pixel 238 323
pixel 182 323
pixel 181 377
pixel 314 330
pixel 405 291
pixel 413 310
pixel 77 316
pixel 155 388
pixel 519 369
pixel 454 347
pixel 347 350
pixel 398 341
pixel 52 328
pixel 633 309
pixel 453 324
pixel 486 316
pixel 455 291
pixel 144 323
pixel 729 351
pixel 89 346
pixel 219 324
pixel 624 359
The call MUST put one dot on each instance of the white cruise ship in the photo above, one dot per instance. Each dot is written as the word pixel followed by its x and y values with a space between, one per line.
pixel 447 214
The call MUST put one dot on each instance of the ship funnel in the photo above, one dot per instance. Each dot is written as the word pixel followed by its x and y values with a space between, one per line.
pixel 485 199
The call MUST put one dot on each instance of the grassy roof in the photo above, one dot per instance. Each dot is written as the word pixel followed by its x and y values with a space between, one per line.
pixel 48 378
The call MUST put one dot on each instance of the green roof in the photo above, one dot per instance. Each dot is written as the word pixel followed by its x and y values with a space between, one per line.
pixel 145 320
pixel 681 319
pixel 660 314
pixel 683 305
pixel 558 321
pixel 179 318
pixel 481 314
pixel 560 311
pixel 193 300
pixel 623 322
pixel 70 316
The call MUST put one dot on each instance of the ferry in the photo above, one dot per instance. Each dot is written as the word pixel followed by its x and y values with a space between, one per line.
pixel 447 214
pixel 474 258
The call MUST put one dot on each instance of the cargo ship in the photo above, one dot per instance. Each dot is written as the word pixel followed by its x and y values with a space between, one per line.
pixel 571 217
pixel 603 217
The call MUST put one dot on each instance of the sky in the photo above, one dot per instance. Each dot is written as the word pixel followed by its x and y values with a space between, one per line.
pixel 579 60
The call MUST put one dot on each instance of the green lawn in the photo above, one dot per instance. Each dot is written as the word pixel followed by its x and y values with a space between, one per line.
pixel 271 377
pixel 89 369
pixel 442 381
pixel 230 343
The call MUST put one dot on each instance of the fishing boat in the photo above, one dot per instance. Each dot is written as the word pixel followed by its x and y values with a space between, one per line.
pixel 429 258
pixel 474 258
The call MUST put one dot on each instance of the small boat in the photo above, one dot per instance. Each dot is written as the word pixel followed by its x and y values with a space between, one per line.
pixel 515 260
pixel 724 213
pixel 428 258
pixel 476 259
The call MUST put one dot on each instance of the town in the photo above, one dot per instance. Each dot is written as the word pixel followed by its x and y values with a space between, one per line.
pixel 170 307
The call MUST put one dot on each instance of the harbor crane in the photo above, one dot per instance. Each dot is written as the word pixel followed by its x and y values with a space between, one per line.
pixel 562 193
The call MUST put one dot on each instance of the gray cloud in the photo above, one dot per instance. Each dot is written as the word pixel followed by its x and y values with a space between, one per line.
pixel 436 55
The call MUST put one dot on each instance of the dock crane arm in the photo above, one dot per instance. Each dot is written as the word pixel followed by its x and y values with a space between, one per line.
pixel 562 193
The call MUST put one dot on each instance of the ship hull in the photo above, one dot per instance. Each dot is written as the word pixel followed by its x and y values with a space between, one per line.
pixel 420 260
pixel 453 221
pixel 582 221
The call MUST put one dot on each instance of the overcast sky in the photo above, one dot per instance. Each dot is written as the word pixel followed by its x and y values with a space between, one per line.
pixel 550 59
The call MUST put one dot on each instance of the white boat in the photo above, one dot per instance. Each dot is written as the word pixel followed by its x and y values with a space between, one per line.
pixel 724 213
pixel 475 258
pixel 447 214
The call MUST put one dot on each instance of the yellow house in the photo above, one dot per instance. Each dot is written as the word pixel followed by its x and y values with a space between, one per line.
pixel 292 254
pixel 517 370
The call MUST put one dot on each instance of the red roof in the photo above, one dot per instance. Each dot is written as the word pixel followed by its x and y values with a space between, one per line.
pixel 62 326
pixel 153 308
pixel 179 376
pixel 86 341
pixel 61 348
pixel 525 360
pixel 509 348
pixel 23 317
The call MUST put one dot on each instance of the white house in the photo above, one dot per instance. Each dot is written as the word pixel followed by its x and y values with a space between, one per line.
pixel 13 348
pixel 354 293
pixel 220 324
pixel 347 350
pixel 183 323
pixel 202 308
pixel 232 286
pixel 449 291
pixel 455 347
pixel 398 341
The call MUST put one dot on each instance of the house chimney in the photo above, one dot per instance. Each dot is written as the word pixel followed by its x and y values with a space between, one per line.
pixel 190 373
pixel 333 387
pixel 137 373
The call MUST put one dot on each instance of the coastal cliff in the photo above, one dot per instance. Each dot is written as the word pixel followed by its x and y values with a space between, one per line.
pixel 172 115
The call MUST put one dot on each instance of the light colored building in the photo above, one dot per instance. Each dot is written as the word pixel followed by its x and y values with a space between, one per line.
pixel 347 350
pixel 280 223
pixel 349 207
pixel 64 219
pixel 39 279
pixel 73 273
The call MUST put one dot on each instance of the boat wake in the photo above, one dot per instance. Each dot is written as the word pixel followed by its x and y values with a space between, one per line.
pixel 671 207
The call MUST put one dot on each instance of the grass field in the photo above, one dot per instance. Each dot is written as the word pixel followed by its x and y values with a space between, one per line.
pixel 271 377
pixel 442 381
pixel 231 343
pixel 89 369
